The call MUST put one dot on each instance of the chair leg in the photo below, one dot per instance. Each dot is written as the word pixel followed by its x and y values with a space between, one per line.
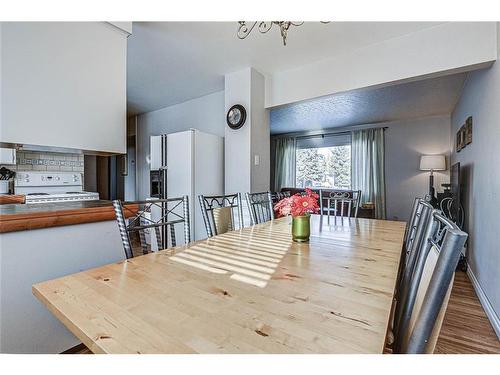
pixel 158 239
pixel 142 239
pixel 328 211
pixel 172 236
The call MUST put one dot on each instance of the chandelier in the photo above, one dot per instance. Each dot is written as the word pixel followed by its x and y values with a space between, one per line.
pixel 245 29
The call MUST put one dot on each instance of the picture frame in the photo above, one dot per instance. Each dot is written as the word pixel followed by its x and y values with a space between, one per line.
pixel 459 140
pixel 462 136
pixel 468 131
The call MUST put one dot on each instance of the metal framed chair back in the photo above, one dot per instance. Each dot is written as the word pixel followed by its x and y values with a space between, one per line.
pixel 154 216
pixel 421 213
pixel 409 256
pixel 260 206
pixel 340 203
pixel 430 286
pixel 218 213
pixel 412 221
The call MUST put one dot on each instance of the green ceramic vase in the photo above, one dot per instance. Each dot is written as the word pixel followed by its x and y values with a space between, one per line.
pixel 301 228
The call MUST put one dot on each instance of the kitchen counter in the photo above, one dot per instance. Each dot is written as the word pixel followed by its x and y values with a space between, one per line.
pixel 18 217
pixel 40 242
pixel 11 198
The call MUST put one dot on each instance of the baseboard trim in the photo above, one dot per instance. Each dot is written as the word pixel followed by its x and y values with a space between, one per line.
pixel 485 302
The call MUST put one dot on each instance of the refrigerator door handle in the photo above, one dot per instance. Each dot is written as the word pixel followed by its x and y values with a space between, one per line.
pixel 163 192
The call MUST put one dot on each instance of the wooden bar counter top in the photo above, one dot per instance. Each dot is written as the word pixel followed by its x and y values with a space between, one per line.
pixel 11 199
pixel 19 217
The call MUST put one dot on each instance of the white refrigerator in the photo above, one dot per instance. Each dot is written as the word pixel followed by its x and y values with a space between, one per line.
pixel 190 163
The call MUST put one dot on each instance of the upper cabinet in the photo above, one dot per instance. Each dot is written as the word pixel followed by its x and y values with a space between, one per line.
pixel 64 85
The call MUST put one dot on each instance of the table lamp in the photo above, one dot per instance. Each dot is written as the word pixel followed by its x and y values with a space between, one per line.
pixel 432 163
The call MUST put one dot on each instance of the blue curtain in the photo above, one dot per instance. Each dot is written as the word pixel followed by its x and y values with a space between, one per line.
pixel 368 170
pixel 284 163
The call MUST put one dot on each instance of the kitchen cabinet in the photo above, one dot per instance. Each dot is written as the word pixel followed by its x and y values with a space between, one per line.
pixel 7 156
pixel 72 78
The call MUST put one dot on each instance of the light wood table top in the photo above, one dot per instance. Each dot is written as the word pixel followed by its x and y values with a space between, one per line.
pixel 248 291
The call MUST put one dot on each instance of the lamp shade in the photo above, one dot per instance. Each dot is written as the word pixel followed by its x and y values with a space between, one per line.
pixel 432 163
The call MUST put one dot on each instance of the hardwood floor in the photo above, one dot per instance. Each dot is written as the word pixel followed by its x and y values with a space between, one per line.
pixel 466 328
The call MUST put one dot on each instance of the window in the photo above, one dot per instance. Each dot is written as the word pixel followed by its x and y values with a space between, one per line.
pixel 324 161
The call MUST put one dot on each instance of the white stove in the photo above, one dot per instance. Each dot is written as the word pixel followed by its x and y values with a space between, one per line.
pixel 47 187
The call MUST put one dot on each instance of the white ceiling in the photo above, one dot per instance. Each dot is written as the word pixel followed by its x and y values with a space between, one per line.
pixel 430 97
pixel 171 62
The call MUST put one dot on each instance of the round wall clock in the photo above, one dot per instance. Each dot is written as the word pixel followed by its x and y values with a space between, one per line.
pixel 236 116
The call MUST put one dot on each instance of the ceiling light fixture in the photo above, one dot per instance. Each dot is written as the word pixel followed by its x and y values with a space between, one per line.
pixel 245 28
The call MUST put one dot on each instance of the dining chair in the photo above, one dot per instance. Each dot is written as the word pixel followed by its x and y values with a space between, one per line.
pixel 340 203
pixel 410 254
pixel 430 286
pixel 420 214
pixel 409 232
pixel 150 217
pixel 218 213
pixel 421 211
pixel 260 206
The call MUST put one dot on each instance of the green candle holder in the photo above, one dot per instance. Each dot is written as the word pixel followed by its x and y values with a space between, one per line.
pixel 301 228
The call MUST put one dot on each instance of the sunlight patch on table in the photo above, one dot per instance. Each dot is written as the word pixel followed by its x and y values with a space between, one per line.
pixel 198 265
pixel 244 267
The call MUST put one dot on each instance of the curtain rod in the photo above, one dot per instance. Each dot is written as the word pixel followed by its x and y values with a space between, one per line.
pixel 318 133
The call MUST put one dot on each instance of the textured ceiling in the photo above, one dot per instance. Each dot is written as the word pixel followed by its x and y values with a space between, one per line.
pixel 430 97
pixel 171 62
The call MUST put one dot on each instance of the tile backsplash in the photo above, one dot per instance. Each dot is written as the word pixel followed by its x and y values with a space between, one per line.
pixel 48 161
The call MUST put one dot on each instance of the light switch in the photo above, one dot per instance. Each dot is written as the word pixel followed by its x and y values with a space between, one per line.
pixel 257 160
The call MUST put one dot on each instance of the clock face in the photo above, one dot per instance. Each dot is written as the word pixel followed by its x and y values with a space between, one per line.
pixel 236 116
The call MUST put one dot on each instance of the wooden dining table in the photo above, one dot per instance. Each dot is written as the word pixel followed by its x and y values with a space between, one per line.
pixel 247 291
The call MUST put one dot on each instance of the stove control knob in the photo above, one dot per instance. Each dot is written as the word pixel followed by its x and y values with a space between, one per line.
pixel 58 178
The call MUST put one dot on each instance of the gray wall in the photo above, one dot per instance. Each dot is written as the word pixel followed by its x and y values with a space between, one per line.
pixel 480 178
pixel 205 113
pixel 405 141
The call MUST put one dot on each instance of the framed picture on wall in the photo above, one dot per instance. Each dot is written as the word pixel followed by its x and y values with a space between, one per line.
pixel 468 131
pixel 459 140
pixel 462 136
